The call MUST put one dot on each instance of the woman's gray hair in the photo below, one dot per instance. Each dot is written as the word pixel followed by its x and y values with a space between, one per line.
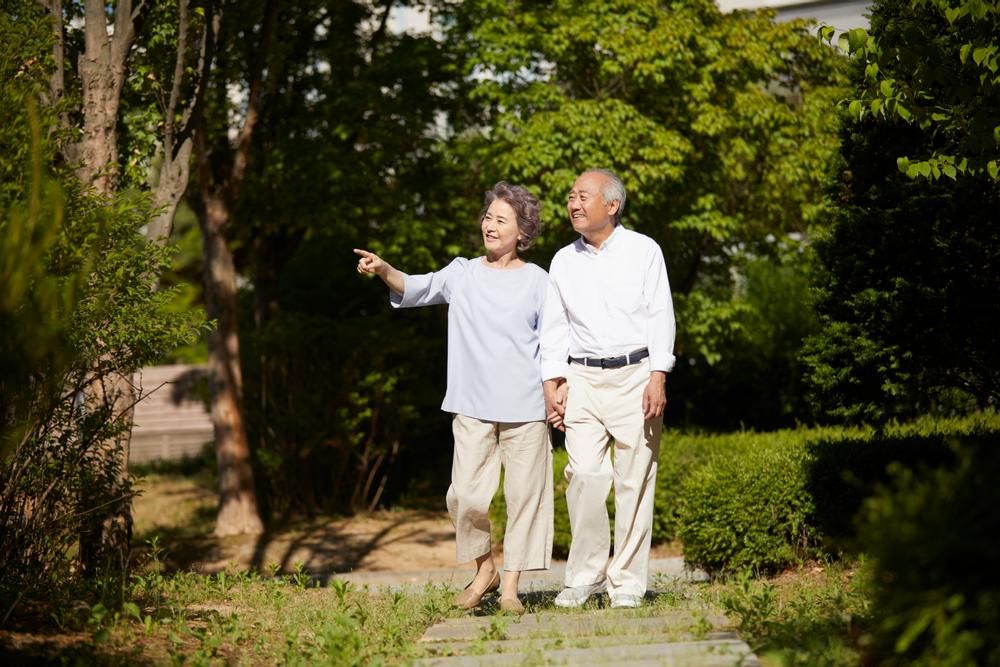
pixel 613 190
pixel 525 206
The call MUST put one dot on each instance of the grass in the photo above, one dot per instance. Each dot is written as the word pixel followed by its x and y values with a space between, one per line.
pixel 816 614
pixel 245 619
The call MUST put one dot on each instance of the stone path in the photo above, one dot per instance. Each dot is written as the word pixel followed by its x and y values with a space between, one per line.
pixel 672 628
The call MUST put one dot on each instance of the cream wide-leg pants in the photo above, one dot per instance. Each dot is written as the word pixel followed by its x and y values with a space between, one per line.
pixel 605 405
pixel 525 452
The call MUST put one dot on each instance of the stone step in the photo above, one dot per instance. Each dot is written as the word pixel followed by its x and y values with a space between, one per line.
pixel 703 653
pixel 610 622
pixel 683 634
pixel 483 646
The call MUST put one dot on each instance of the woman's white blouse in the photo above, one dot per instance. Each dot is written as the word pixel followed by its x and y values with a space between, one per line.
pixel 494 364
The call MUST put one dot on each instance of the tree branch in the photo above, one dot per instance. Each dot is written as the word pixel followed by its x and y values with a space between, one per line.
pixel 175 88
pixel 206 54
pixel 243 144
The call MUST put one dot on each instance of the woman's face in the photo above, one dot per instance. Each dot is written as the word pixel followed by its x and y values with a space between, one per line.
pixel 500 228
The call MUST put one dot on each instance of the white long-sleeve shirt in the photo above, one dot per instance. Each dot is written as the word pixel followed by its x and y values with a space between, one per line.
pixel 606 302
pixel 493 327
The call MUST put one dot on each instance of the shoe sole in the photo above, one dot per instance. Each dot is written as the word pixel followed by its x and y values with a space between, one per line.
pixel 575 604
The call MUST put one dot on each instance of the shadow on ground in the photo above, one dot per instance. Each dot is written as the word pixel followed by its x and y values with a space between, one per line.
pixel 390 541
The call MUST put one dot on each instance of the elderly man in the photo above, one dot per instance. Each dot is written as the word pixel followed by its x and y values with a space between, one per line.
pixel 607 345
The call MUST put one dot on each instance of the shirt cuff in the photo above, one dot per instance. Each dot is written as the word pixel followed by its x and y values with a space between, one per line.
pixel 554 369
pixel 662 362
pixel 395 298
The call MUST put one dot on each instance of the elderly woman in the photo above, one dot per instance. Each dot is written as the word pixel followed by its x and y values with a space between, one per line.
pixel 494 391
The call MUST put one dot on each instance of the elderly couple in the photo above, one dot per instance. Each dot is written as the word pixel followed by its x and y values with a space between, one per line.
pixel 585 348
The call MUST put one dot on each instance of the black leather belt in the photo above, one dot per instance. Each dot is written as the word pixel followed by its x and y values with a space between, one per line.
pixel 613 362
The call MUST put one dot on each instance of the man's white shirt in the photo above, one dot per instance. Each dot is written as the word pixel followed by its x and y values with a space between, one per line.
pixel 606 302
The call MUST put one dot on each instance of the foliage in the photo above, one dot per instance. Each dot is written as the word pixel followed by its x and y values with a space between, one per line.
pixel 906 287
pixel 936 65
pixel 718 124
pixel 931 533
pixel 907 276
pixel 78 310
pixel 341 393
pixel 750 511
pixel 764 501
pixel 814 615
pixel 755 378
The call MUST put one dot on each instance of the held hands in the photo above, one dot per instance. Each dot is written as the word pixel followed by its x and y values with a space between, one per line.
pixel 654 396
pixel 556 392
pixel 370 263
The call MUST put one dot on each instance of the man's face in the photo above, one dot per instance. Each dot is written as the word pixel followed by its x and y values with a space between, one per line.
pixel 588 212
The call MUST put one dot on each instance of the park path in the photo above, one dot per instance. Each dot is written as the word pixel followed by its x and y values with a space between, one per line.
pixel 683 632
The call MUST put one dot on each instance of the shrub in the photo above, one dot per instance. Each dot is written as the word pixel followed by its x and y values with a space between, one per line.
pixel 933 536
pixel 79 313
pixel 750 511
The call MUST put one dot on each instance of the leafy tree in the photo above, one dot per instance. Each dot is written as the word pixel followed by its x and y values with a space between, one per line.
pixel 935 64
pixel 719 124
pixel 343 153
pixel 95 61
pixel 78 313
pixel 910 269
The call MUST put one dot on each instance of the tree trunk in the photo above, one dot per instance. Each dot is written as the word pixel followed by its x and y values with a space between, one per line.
pixel 171 183
pixel 102 74
pixel 238 513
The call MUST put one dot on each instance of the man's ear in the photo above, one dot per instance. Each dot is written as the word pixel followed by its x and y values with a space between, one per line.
pixel 613 206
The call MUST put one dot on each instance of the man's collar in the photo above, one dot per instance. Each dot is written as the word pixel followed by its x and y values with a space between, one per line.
pixel 591 249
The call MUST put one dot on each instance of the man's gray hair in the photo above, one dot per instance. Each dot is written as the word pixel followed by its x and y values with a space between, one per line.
pixel 613 190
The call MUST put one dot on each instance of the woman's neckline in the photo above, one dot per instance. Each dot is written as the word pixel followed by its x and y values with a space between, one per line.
pixel 487 264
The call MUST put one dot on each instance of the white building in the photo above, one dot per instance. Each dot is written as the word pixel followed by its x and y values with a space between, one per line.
pixel 841 14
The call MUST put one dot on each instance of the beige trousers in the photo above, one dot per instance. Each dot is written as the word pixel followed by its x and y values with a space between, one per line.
pixel 525 452
pixel 605 405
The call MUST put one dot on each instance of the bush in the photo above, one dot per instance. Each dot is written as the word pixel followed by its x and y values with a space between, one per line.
pixel 79 313
pixel 933 536
pixel 750 511
pixel 765 501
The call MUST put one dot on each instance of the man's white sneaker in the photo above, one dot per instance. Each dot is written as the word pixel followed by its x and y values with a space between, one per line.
pixel 575 596
pixel 625 601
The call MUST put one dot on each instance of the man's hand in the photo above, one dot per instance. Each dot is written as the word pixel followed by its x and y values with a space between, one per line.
pixel 556 391
pixel 654 396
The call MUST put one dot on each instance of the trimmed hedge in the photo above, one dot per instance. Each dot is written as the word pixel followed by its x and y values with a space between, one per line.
pixel 750 510
pixel 763 501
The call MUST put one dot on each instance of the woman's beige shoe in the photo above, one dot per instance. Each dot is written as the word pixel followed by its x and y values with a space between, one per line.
pixel 511 606
pixel 470 599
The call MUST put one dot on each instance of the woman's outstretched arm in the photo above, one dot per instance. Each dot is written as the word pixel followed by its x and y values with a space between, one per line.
pixel 373 264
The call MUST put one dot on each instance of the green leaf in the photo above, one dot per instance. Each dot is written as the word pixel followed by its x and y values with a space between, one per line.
pixel 963 53
pixel 876 106
pixel 886 87
pixel 854 109
pixel 903 163
pixel 993 170
pixel 924 169
pixel 871 71
pixel 903 112
pixel 980 54
pixel 950 171
pixel 857 38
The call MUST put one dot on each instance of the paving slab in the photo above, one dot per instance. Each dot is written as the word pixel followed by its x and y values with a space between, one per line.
pixel 661 570
pixel 596 623
pixel 705 653
pixel 654 635
pixel 535 644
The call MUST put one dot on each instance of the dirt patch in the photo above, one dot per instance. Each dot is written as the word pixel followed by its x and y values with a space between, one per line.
pixel 180 512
